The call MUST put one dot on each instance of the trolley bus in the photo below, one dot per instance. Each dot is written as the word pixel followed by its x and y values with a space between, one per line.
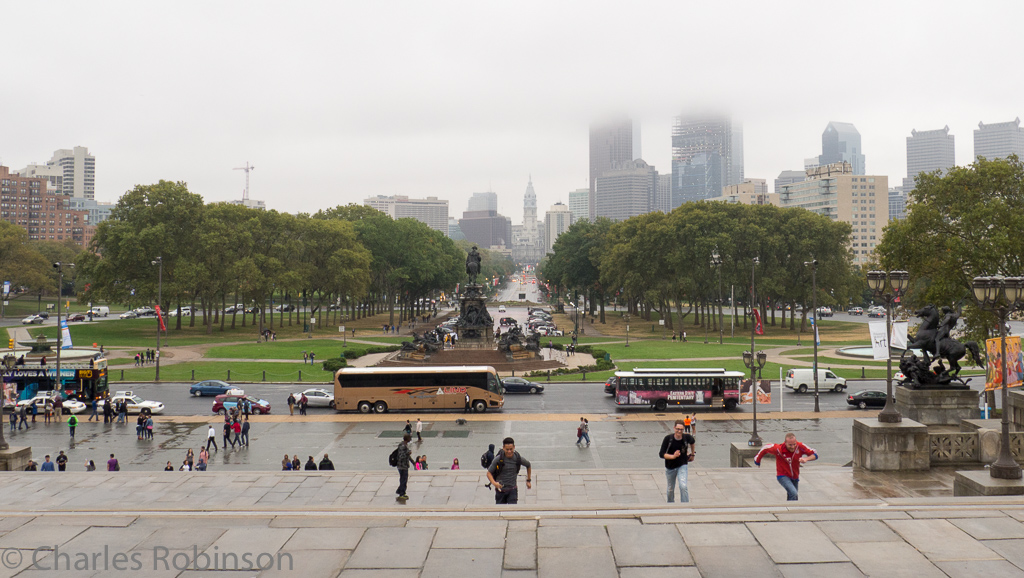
pixel 381 389
pixel 664 387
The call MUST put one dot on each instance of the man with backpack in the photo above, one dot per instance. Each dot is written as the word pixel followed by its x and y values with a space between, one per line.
pixel 677 450
pixel 486 459
pixel 504 471
pixel 401 459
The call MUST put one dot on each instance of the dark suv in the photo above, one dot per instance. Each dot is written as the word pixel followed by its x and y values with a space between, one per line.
pixel 610 385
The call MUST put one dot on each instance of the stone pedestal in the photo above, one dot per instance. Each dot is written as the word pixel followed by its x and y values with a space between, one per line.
pixel 881 446
pixel 1016 403
pixel 15 458
pixel 741 455
pixel 937 406
pixel 981 483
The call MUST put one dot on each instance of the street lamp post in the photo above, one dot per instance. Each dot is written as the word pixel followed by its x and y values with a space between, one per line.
pixel 59 266
pixel 888 286
pixel 1002 295
pixel 814 318
pixel 626 317
pixel 159 262
pixel 716 262
pixel 751 359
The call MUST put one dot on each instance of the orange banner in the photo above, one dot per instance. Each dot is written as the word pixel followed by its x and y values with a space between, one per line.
pixel 1014 363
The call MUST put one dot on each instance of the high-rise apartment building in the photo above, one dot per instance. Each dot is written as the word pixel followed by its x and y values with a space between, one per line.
pixel 431 211
pixel 787 177
pixel 834 191
pixel 841 143
pixel 749 192
pixel 487 229
pixel 999 140
pixel 556 221
pixel 483 202
pixel 610 144
pixel 707 154
pixel 25 201
pixel 897 203
pixel 579 204
pixel 70 172
pixel 627 190
pixel 928 151
pixel 663 194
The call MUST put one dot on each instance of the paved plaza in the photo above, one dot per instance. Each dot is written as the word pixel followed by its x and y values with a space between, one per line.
pixel 572 523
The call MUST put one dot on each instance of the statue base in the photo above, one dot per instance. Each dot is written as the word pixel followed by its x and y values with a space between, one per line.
pixel 981 483
pixel 15 458
pixel 937 406
pixel 881 446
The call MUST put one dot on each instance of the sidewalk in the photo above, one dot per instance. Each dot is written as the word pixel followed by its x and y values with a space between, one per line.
pixel 593 524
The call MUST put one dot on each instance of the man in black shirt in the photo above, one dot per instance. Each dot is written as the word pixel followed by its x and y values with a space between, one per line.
pixel 677 449
pixel 326 463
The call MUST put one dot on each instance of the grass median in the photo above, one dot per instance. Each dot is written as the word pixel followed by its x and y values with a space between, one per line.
pixel 226 371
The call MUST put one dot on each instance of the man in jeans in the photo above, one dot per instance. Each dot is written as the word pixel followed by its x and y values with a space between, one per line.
pixel 404 460
pixel 677 449
pixel 788 457
pixel 504 471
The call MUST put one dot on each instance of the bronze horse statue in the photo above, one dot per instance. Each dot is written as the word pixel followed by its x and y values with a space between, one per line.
pixel 933 339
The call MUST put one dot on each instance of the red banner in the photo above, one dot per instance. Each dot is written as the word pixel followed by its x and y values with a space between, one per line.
pixel 758 326
pixel 160 319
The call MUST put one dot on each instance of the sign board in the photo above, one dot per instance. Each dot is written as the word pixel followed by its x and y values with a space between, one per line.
pixel 522 296
pixel 1014 363
pixel 661 322
pixel 341 329
pixel 764 391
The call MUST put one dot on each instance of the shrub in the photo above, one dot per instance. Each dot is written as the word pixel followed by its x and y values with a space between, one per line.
pixel 334 364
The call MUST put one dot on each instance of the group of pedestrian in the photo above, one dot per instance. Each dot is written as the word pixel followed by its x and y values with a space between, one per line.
pixel 310 357
pixel 419 429
pixel 295 464
pixel 268 335
pixel 144 357
pixel 583 431
pixel 389 329
pixel 143 426
pixel 682 336
pixel 302 402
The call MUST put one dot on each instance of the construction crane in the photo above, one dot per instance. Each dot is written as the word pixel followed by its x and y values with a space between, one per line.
pixel 247 168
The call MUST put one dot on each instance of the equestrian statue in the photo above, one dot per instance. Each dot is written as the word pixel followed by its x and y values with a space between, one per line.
pixel 934 339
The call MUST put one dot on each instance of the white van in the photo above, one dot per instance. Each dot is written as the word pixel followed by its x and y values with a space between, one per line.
pixel 100 311
pixel 802 379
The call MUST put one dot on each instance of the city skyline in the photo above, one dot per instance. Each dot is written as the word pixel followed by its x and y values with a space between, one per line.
pixel 340 103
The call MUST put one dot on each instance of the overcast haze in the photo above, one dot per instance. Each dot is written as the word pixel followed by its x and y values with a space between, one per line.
pixel 334 102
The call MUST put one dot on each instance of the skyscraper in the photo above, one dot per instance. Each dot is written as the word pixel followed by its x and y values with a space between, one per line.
pixel 579 204
pixel 841 142
pixel 528 242
pixel 556 221
pixel 483 202
pixel 627 190
pixel 999 140
pixel 789 177
pixel 927 151
pixel 707 154
pixel 611 143
pixel 71 172
pixel 430 211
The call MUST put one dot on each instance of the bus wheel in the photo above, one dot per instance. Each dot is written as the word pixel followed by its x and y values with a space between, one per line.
pixel 380 407
pixel 479 406
pixel 365 407
pixel 730 405
pixel 660 405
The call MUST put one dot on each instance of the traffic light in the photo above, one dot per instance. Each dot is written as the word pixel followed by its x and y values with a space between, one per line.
pixel 10 344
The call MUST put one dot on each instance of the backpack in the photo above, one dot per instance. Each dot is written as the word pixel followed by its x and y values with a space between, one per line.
pixel 73 421
pixel 485 461
pixel 393 459
pixel 501 463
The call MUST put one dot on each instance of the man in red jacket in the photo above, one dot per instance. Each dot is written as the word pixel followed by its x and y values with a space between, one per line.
pixel 788 457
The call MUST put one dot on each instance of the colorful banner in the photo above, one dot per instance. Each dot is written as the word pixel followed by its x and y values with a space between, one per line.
pixel 764 391
pixel 65 335
pixel 1014 365
pixel 879 343
pixel 160 319
pixel 758 326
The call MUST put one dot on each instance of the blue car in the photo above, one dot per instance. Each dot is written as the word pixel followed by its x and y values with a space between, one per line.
pixel 210 387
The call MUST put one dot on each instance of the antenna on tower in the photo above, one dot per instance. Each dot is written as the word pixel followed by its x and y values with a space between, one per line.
pixel 247 168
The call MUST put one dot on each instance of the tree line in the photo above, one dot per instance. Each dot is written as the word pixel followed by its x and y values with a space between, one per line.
pixel 351 259
pixel 658 262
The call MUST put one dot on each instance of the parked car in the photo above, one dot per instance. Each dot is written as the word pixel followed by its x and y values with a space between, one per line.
pixel 508 321
pixel 135 403
pixel 867 398
pixel 856 311
pixel 128 315
pixel 77 317
pixel 520 385
pixel 210 387
pixel 67 405
pixel 317 397
pixel 229 401
pixel 802 379
pixel 32 320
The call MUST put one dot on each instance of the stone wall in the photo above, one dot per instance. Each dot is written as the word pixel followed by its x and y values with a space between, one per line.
pixel 937 406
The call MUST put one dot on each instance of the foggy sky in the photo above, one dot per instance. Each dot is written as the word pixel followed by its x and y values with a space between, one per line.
pixel 336 101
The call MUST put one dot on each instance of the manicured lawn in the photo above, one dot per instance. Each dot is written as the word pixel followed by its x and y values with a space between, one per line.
pixel 240 371
pixel 323 348
pixel 656 349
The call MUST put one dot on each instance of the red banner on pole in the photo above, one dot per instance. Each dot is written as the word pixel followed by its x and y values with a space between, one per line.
pixel 758 327
pixel 160 319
